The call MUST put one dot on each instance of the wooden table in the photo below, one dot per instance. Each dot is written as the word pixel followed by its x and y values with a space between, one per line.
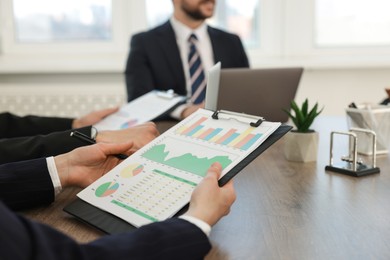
pixel 286 210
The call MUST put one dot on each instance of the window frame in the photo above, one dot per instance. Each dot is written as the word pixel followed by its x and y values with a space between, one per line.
pixel 303 50
pixel 76 56
pixel 283 43
pixel 11 46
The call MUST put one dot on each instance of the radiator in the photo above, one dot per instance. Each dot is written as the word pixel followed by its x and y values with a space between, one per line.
pixel 57 101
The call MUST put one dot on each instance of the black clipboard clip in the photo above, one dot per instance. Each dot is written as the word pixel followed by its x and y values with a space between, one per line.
pixel 238 117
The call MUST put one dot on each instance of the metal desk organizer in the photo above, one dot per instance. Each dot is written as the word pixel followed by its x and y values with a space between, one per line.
pixel 350 164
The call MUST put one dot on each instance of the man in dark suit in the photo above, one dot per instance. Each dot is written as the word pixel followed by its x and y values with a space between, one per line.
pixel 30 183
pixel 30 137
pixel 15 126
pixel 179 238
pixel 158 58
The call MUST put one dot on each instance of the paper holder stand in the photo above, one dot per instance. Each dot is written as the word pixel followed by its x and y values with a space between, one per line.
pixel 351 166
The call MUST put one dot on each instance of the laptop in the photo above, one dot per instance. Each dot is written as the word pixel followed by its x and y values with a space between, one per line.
pixel 211 98
pixel 260 92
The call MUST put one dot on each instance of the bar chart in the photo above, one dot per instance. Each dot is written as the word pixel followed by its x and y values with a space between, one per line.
pixel 237 138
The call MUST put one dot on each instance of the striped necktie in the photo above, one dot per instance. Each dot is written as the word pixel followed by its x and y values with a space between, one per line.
pixel 198 81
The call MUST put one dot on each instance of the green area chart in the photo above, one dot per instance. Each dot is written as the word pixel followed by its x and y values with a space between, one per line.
pixel 186 162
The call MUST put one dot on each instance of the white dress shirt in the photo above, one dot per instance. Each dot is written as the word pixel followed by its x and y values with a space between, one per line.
pixel 204 48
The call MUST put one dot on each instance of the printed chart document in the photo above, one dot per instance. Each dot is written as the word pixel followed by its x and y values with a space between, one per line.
pixel 140 110
pixel 157 181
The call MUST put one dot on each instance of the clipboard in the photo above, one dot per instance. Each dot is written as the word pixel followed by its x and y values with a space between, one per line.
pixel 111 224
pixel 154 105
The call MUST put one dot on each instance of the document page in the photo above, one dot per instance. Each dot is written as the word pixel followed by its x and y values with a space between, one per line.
pixel 157 181
pixel 140 110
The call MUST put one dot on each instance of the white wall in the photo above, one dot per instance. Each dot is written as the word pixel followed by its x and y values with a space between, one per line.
pixel 336 88
pixel 75 94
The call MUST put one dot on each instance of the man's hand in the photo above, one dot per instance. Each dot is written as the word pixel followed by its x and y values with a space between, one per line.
pixel 139 135
pixel 86 164
pixel 209 202
pixel 93 117
pixel 191 109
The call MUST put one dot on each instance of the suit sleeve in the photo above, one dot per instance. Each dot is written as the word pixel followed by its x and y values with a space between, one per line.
pixel 243 58
pixel 32 147
pixel 15 126
pixel 26 184
pixel 171 239
pixel 228 49
pixel 139 78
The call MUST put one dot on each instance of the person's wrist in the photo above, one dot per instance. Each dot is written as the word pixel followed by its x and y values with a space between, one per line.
pixel 61 163
pixel 101 136
pixel 75 123
pixel 201 215
pixel 205 227
pixel 185 112
pixel 182 115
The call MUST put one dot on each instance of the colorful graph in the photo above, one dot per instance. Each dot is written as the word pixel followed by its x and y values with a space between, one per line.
pixel 132 170
pixel 106 189
pixel 156 200
pixel 228 137
pixel 186 162
pixel 129 124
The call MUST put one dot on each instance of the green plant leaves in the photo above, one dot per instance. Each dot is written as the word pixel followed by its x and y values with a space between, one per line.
pixel 302 117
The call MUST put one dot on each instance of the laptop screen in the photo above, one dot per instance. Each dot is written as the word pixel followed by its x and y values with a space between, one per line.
pixel 260 92
pixel 212 87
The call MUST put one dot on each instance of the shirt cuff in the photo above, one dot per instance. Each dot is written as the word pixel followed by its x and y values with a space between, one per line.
pixel 94 133
pixel 55 179
pixel 199 223
pixel 176 113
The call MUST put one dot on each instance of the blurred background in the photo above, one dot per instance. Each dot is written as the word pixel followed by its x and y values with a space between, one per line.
pixel 66 58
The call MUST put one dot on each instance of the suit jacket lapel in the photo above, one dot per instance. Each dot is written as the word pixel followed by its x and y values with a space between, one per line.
pixel 215 41
pixel 171 51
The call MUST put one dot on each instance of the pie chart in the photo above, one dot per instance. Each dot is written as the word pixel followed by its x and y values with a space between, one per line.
pixel 132 170
pixel 106 189
pixel 129 124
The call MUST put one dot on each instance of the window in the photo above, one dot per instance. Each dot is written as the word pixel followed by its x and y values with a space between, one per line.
pixel 71 20
pixel 93 35
pixel 352 23
pixel 73 35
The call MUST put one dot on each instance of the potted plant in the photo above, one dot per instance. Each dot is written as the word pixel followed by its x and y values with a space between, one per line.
pixel 301 144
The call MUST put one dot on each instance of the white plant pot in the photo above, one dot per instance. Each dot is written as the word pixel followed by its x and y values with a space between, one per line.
pixel 301 147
